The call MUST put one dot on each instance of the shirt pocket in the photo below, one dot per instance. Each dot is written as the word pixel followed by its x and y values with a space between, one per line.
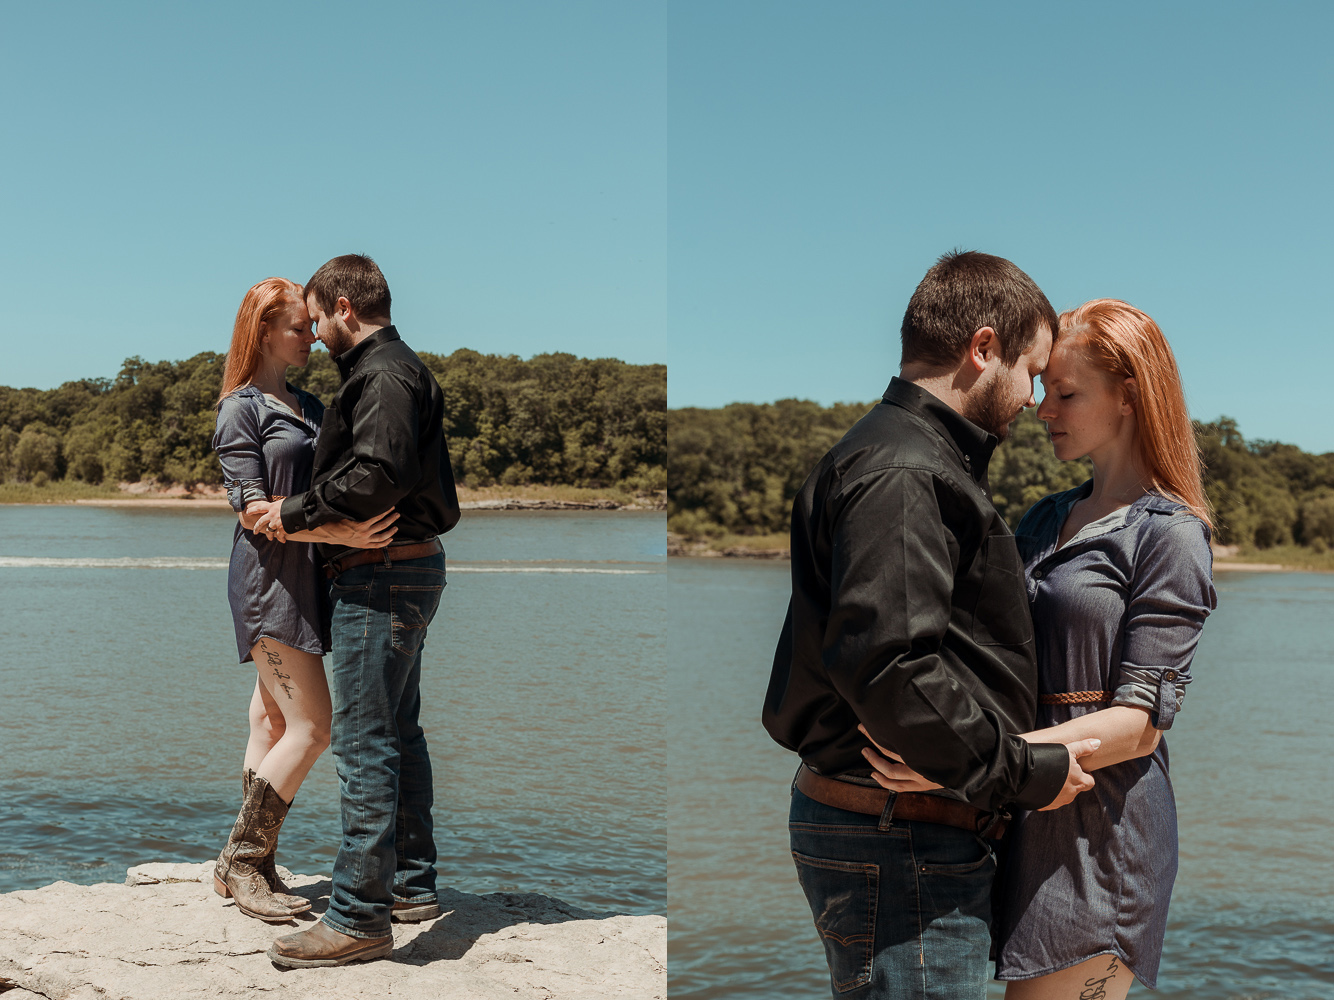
pixel 1001 616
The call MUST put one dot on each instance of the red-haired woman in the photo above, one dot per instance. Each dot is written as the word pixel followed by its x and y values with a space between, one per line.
pixel 265 440
pixel 1119 577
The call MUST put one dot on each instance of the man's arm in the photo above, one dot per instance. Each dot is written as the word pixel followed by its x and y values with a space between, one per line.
pixel 385 463
pixel 891 597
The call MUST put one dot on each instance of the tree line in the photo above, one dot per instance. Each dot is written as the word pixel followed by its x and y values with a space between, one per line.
pixel 735 470
pixel 554 419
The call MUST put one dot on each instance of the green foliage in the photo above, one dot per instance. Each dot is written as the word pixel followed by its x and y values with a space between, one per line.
pixel 553 420
pixel 735 471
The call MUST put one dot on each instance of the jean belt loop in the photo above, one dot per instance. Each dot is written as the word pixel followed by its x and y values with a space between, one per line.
pixel 387 561
pixel 887 813
pixel 793 790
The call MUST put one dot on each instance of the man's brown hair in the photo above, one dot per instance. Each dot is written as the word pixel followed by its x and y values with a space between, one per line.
pixel 354 277
pixel 964 292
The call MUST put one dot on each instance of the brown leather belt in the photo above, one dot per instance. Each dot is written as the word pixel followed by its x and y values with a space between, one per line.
pixel 1076 698
pixel 392 553
pixel 907 805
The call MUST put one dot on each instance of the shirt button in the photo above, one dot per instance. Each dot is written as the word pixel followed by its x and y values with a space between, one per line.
pixel 1038 574
pixel 1171 675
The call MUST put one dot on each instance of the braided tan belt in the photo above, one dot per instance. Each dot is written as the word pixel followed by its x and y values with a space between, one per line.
pixel 1076 698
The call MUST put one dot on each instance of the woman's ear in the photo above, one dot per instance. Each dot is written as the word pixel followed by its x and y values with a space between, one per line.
pixel 1130 395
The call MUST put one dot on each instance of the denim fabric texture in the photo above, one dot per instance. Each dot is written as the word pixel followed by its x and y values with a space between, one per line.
pixel 903 908
pixel 380 618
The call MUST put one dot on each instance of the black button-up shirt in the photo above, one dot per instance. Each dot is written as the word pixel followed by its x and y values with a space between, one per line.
pixel 382 444
pixel 909 613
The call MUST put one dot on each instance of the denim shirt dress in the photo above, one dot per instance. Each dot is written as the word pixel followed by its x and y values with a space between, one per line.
pixel 276 589
pixel 1118 609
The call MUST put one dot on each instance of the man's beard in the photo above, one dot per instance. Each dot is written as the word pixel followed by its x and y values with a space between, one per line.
pixel 991 408
pixel 338 339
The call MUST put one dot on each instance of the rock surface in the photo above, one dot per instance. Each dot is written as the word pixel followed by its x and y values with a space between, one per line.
pixel 166 934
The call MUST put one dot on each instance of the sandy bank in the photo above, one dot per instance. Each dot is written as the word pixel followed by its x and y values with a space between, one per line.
pixel 680 547
pixel 165 934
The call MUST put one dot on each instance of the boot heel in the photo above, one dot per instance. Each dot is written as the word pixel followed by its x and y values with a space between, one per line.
pixel 220 887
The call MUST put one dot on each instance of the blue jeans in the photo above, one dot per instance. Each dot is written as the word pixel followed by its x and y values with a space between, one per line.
pixel 380 615
pixel 903 908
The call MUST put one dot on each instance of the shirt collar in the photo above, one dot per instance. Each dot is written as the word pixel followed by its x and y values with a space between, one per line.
pixel 347 361
pixel 973 445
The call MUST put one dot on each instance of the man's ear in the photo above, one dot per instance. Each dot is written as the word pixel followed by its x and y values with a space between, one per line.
pixel 984 346
pixel 343 308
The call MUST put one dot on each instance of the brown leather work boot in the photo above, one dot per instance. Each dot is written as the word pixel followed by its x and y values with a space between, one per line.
pixel 237 872
pixel 321 946
pixel 267 866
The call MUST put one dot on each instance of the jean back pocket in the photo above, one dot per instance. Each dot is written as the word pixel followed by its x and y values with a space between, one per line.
pixel 411 610
pixel 843 897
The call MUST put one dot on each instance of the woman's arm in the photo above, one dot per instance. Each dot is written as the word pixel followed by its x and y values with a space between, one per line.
pixel 374 533
pixel 1125 732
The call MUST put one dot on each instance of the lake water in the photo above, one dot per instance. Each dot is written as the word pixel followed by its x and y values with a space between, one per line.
pixel 123 709
pixel 1251 913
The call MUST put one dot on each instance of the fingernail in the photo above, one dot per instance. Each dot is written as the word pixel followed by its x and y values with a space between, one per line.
pixel 1096 743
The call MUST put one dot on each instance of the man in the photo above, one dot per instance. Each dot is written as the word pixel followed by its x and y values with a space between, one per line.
pixel 381 445
pixel 909 617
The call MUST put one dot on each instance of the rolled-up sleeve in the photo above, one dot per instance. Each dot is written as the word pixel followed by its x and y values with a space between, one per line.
pixel 1171 595
pixel 239 444
pixel 892 581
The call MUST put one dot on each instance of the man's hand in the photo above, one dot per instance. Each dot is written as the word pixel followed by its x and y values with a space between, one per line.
pixel 890 771
pixel 1076 780
pixel 373 533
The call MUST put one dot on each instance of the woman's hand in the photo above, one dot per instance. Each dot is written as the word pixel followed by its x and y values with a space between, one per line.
pixel 257 511
pixel 890 771
pixel 375 533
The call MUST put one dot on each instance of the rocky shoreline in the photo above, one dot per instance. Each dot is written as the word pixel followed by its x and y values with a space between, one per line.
pixel 166 934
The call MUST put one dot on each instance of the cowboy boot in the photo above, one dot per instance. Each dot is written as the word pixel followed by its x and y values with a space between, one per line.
pixel 266 865
pixel 237 874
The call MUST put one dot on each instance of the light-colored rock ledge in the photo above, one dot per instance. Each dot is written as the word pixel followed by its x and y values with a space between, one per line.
pixel 166 934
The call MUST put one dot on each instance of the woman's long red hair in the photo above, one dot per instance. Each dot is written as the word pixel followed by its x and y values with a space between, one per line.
pixel 261 304
pixel 1126 343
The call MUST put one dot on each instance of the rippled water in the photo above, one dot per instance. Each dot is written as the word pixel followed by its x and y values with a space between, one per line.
pixel 1251 914
pixel 123 710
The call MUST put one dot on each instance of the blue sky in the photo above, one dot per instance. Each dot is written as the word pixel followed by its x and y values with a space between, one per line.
pixel 1173 155
pixel 748 190
pixel 504 163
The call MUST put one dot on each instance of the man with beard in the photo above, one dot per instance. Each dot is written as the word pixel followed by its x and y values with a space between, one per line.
pixel 381 446
pixel 909 626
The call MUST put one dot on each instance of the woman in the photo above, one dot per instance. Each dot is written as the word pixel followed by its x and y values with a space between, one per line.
pixel 265 440
pixel 1119 576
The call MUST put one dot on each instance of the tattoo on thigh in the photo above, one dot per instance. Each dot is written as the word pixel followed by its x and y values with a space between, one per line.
pixel 1096 989
pixel 276 661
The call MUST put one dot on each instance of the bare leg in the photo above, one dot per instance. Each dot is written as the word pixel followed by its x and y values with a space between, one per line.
pixel 1104 977
pixel 295 690
pixel 267 725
